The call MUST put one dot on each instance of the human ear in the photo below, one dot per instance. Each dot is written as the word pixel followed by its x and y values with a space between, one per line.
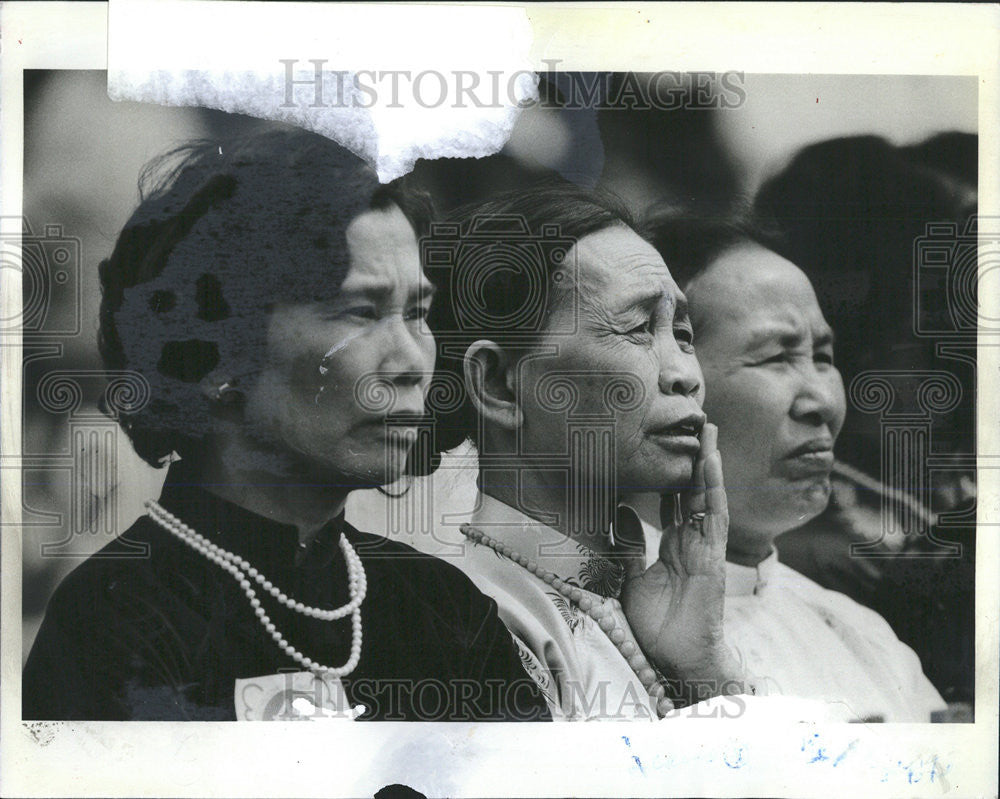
pixel 225 393
pixel 490 384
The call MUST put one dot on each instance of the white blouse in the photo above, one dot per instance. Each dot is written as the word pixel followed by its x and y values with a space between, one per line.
pixel 807 641
pixel 582 673
pixel 802 640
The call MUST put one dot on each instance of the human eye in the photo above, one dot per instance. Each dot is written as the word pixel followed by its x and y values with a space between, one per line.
pixel 824 356
pixel 773 358
pixel 367 312
pixel 684 334
pixel 417 312
pixel 641 332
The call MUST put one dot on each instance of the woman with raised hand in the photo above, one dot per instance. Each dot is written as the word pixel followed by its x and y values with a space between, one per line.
pixel 266 293
pixel 568 343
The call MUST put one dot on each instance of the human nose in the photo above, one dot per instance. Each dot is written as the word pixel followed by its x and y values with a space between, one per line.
pixel 407 362
pixel 679 371
pixel 820 397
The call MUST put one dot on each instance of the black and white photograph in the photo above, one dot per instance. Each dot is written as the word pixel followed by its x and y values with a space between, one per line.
pixel 480 385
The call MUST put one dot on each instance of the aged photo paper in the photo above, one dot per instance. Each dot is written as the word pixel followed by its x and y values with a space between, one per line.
pixel 822 182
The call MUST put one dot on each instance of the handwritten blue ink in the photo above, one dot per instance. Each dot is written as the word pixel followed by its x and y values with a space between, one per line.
pixel 634 757
pixel 843 754
pixel 934 769
pixel 739 759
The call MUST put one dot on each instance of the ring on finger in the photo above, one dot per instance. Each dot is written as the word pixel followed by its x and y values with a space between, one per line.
pixel 696 519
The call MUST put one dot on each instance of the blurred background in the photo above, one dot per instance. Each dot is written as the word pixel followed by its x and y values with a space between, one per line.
pixel 852 169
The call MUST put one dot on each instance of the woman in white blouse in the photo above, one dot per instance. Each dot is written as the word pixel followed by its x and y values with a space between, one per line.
pixel 778 400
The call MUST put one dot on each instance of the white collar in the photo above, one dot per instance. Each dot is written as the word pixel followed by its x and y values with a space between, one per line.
pixel 750 580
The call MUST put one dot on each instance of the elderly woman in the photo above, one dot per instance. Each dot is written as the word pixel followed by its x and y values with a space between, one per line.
pixel 269 291
pixel 778 400
pixel 568 346
pixel 875 213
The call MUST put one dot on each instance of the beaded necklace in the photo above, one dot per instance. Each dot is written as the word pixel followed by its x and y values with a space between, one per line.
pixel 243 572
pixel 602 612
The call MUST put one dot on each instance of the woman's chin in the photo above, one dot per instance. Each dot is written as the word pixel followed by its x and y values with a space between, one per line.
pixel 781 511
pixel 667 479
pixel 811 500
pixel 352 472
pixel 371 477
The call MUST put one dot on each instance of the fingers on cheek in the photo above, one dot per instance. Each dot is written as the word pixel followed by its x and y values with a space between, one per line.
pixel 713 470
pixel 709 439
pixel 717 501
pixel 699 471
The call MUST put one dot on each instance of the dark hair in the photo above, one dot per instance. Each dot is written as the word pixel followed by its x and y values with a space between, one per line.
pixel 495 265
pixel 853 211
pixel 225 231
pixel 690 241
pixel 859 202
pixel 952 154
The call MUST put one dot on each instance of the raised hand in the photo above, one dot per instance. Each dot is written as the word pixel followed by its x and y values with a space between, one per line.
pixel 675 607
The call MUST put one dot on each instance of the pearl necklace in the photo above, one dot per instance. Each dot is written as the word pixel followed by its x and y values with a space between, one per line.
pixel 602 612
pixel 243 572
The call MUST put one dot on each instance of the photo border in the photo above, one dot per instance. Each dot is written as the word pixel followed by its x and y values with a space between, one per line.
pixel 747 756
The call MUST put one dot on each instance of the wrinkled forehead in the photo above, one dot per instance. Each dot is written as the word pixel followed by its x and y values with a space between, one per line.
pixel 618 257
pixel 748 286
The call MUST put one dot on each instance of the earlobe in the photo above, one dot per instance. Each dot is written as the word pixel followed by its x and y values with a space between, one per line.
pixel 490 382
pixel 222 391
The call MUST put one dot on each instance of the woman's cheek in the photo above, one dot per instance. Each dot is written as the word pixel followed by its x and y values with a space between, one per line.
pixel 749 389
pixel 840 414
pixel 723 402
pixel 430 356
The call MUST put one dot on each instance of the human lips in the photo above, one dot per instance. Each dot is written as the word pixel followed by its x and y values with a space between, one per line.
pixel 681 433
pixel 400 427
pixel 811 457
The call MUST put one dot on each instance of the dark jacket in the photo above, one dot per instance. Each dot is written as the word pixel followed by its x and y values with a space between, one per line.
pixel 164 637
